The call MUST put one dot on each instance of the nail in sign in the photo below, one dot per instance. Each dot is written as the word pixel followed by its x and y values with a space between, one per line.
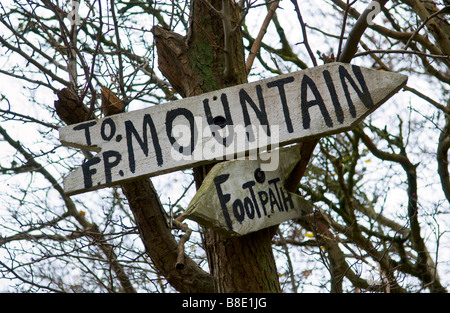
pixel 222 124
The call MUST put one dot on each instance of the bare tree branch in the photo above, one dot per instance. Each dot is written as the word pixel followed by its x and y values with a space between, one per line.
pixel 257 43
pixel 352 42
pixel 427 18
pixel 30 59
pixel 305 36
pixel 91 229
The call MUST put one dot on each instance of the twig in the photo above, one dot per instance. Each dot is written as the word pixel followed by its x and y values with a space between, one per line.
pixel 446 8
pixel 341 37
pixel 39 83
pixel 305 37
pixel 351 45
pixel 25 119
pixel 26 281
pixel 257 43
pixel 433 102
pixel 119 50
pixel 437 56
pixel 289 261
pixel 324 32
pixel 441 37
pixel 90 75
pixel 32 46
pixel 34 62
pixel 72 55
pixel 376 58
pixel 178 223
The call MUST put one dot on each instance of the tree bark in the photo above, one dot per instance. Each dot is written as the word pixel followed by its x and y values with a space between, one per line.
pixel 209 58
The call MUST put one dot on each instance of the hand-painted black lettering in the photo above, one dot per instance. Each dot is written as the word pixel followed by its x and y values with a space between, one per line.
pixel 287 199
pixel 273 201
pixel 274 182
pixel 170 117
pixel 308 82
pixel 107 156
pixel 363 94
pixel 280 84
pixel 238 210
pixel 260 112
pixel 212 120
pixel 112 129
pixel 223 198
pixel 88 171
pixel 143 142
pixel 334 98
pixel 86 127
pixel 263 198
pixel 250 185
pixel 249 208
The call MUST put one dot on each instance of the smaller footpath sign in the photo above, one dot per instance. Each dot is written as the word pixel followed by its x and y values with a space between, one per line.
pixel 245 195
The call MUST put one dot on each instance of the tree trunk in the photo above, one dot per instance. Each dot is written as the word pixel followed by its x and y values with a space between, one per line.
pixel 209 58
pixel 242 264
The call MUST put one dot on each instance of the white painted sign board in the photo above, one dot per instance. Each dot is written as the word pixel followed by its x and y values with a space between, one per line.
pixel 226 123
pixel 239 197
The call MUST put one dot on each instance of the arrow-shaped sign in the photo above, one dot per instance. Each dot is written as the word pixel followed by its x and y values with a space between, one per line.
pixel 239 197
pixel 226 123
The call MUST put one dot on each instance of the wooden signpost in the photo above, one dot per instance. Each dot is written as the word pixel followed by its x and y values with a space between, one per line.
pixel 226 124
pixel 238 197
